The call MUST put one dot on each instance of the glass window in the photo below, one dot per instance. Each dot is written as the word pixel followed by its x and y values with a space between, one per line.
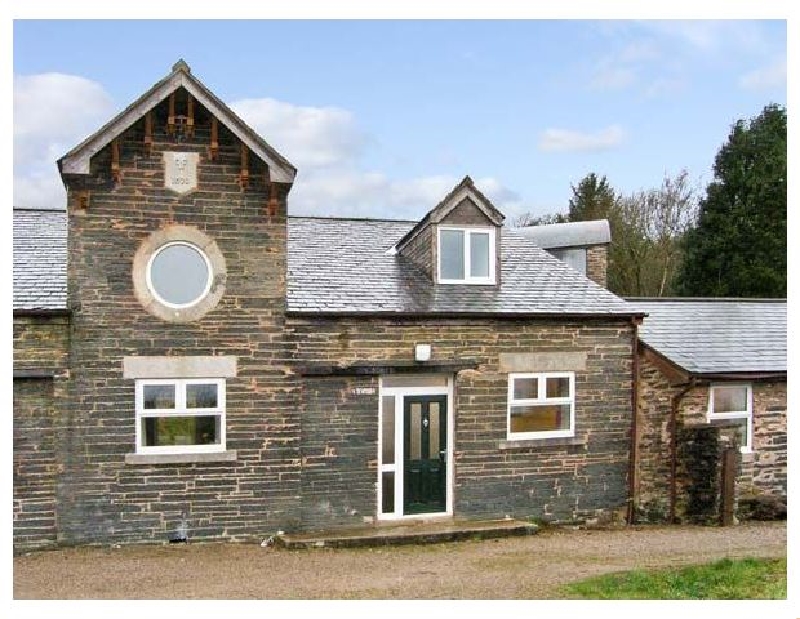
pixel 541 405
pixel 731 405
pixel 466 255
pixel 179 274
pixel 451 250
pixel 180 415
pixel 387 435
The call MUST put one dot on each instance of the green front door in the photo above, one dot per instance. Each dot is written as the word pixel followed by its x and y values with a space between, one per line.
pixel 425 454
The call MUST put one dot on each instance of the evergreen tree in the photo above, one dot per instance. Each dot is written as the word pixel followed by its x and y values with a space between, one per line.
pixel 591 199
pixel 738 248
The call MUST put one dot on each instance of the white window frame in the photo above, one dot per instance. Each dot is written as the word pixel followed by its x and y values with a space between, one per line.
pixel 180 410
pixel 541 400
pixel 468 279
pixel 745 414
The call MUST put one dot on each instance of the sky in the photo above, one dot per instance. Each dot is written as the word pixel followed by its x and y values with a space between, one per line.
pixel 382 118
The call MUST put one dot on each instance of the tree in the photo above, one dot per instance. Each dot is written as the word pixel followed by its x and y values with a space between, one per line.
pixel 528 219
pixel 647 228
pixel 738 248
pixel 591 199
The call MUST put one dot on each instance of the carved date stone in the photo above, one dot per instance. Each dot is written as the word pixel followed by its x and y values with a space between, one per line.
pixel 180 171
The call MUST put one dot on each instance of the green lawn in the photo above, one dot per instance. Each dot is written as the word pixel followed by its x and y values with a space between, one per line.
pixel 753 579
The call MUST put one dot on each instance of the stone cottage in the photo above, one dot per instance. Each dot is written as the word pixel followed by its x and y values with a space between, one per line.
pixel 191 361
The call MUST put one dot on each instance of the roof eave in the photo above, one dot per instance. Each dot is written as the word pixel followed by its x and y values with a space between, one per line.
pixel 463 315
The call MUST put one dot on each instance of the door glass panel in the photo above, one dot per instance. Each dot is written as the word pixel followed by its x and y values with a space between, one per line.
pixel 416 431
pixel 159 397
pixel 540 418
pixel 558 387
pixel 387 490
pixel 387 437
pixel 434 431
pixel 479 254
pixel 526 388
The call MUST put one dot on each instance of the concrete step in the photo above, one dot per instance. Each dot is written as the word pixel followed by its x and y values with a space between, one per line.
pixel 406 533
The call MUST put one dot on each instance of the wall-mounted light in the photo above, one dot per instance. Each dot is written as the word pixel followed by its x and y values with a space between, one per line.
pixel 422 352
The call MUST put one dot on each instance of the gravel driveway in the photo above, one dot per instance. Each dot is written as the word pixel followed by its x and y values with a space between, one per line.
pixel 529 568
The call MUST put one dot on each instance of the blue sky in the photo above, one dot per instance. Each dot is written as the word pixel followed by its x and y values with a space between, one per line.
pixel 383 117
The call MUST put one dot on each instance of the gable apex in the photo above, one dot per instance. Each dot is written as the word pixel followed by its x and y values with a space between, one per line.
pixel 76 161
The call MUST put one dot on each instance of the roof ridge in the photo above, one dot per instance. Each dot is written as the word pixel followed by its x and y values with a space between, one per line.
pixel 44 209
pixel 368 219
pixel 706 299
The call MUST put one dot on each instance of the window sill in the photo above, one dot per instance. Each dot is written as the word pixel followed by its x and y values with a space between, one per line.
pixel 188 458
pixel 532 443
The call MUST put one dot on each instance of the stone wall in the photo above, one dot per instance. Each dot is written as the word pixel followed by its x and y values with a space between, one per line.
pixel 554 480
pixel 101 497
pixel 40 347
pixel 597 264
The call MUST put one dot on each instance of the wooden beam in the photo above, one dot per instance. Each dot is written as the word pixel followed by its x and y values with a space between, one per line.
pixel 272 203
pixel 244 175
pixel 115 170
pixel 148 132
pixel 82 199
pixel 214 138
pixel 171 116
pixel 190 116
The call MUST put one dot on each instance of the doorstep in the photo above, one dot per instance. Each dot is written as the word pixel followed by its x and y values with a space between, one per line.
pixel 426 532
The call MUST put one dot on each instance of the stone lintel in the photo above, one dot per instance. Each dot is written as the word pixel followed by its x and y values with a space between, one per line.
pixel 542 361
pixel 179 367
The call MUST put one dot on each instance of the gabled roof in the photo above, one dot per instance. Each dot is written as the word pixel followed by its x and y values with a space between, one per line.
pixel 465 189
pixel 341 266
pixel 716 336
pixel 76 161
pixel 40 259
pixel 572 234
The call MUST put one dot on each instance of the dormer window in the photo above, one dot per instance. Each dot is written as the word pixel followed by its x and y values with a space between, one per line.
pixel 466 255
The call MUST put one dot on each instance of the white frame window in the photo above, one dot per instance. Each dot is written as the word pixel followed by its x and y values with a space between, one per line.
pixel 468 233
pixel 206 287
pixel 541 399
pixel 746 414
pixel 180 409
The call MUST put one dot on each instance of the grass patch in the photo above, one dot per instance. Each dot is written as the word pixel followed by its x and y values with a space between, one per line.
pixel 743 579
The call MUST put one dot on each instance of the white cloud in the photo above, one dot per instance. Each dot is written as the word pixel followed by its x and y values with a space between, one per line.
pixel 613 78
pixel 566 140
pixel 664 86
pixel 306 136
pixel 770 76
pixel 711 35
pixel 52 113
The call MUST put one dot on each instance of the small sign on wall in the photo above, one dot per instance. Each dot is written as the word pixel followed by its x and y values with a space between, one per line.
pixel 180 171
pixel 363 391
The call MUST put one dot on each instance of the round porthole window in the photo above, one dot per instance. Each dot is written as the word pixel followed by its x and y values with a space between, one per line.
pixel 179 274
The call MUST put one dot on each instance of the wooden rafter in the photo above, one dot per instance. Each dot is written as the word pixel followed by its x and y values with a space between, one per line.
pixel 190 116
pixel 115 169
pixel 214 138
pixel 82 199
pixel 171 116
pixel 272 203
pixel 148 132
pixel 244 175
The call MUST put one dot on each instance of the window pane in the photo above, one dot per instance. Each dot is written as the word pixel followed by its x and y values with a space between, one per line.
pixel 159 396
pixel 740 422
pixel 558 387
pixel 168 431
pixel 201 395
pixel 387 490
pixel 451 254
pixel 479 254
pixel 526 388
pixel 179 274
pixel 730 399
pixel 387 437
pixel 540 418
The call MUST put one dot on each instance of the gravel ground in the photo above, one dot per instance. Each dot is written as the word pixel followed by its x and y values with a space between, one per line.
pixel 531 567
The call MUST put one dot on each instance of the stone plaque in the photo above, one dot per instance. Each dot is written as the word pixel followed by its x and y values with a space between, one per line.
pixel 180 171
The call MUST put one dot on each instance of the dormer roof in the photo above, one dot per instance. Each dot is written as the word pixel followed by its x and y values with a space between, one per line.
pixel 76 161
pixel 465 189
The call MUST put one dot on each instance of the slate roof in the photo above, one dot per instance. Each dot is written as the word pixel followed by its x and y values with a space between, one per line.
pixel 571 234
pixel 342 266
pixel 40 259
pixel 709 336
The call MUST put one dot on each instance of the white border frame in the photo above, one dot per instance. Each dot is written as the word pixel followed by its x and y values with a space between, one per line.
pixel 540 400
pixel 399 393
pixel 180 410
pixel 152 288
pixel 468 279
pixel 745 414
